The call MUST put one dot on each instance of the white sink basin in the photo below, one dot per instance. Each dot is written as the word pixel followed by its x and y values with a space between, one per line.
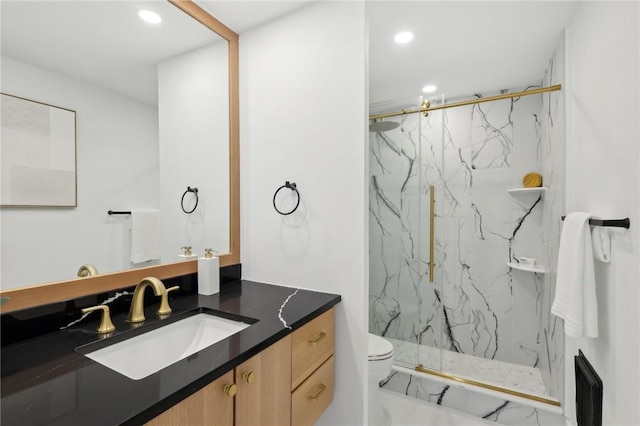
pixel 145 354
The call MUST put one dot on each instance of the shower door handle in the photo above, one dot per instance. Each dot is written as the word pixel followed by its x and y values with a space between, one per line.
pixel 432 205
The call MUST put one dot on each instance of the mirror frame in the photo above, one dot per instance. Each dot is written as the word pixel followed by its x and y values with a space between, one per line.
pixel 42 294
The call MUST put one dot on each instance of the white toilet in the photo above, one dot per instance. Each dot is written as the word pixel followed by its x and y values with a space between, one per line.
pixel 380 363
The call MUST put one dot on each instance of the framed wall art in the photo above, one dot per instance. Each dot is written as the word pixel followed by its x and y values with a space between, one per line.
pixel 38 154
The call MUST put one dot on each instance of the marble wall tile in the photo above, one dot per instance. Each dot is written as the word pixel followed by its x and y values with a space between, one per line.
pixel 525 236
pixel 527 302
pixel 491 135
pixel 491 204
pixel 526 136
pixel 456 246
pixel 457 179
pixel 490 275
pixel 384 153
pixel 409 142
pixel 457 128
pixel 429 329
pixel 413 224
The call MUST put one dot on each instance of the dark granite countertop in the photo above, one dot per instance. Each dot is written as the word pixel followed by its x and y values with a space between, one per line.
pixel 47 380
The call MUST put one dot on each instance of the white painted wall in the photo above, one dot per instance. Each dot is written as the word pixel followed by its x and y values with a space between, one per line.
pixel 117 169
pixel 602 177
pixel 193 111
pixel 303 115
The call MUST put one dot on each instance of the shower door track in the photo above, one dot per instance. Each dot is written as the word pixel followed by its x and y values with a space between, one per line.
pixel 420 368
pixel 553 88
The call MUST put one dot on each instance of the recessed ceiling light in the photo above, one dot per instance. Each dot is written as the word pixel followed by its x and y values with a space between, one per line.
pixel 149 16
pixel 403 37
pixel 429 88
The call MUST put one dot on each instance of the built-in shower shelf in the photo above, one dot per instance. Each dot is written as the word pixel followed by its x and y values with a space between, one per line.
pixel 527 191
pixel 534 269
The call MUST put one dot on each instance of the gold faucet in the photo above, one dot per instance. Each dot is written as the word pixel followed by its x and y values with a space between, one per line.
pixel 106 326
pixel 136 313
pixel 87 270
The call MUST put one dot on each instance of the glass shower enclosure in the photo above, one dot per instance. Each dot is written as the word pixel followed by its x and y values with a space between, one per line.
pixel 405 193
pixel 449 221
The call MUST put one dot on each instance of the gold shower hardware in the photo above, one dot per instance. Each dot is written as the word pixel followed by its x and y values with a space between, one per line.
pixel 425 105
pixel 554 88
pixel 422 369
pixel 321 388
pixel 106 326
pixel 432 208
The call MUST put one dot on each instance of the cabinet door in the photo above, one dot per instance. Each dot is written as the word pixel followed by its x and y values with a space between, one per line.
pixel 264 387
pixel 209 406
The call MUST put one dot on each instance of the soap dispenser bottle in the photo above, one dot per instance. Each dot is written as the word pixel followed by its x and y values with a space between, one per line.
pixel 208 273
pixel 187 253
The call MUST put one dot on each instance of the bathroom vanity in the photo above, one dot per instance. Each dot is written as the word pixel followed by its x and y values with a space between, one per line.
pixel 277 370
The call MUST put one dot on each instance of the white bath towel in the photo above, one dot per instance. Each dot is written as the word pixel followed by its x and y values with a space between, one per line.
pixel 601 241
pixel 575 299
pixel 145 235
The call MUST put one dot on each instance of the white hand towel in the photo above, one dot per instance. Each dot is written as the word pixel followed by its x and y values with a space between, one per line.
pixel 145 235
pixel 575 299
pixel 601 240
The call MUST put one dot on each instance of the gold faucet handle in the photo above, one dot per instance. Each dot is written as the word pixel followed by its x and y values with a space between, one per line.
pixel 106 326
pixel 164 308
pixel 87 270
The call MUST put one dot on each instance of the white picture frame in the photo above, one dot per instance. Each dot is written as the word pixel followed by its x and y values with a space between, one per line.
pixel 37 154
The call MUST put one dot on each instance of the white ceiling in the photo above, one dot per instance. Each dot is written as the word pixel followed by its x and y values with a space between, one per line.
pixel 100 42
pixel 104 43
pixel 243 15
pixel 462 47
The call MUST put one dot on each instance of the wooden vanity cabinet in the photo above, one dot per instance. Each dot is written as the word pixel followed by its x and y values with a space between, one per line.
pixel 209 406
pixel 289 383
pixel 260 388
pixel 264 395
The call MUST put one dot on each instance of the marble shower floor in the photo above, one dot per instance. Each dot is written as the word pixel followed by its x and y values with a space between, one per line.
pixel 497 373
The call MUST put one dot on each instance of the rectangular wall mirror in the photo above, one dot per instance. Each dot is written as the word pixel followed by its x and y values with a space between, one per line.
pixel 156 113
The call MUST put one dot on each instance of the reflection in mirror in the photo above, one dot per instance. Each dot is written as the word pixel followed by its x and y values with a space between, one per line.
pixel 152 105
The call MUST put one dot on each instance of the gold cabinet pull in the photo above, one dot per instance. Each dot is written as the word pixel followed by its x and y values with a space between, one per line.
pixel 249 376
pixel 106 326
pixel 231 389
pixel 320 337
pixel 321 388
